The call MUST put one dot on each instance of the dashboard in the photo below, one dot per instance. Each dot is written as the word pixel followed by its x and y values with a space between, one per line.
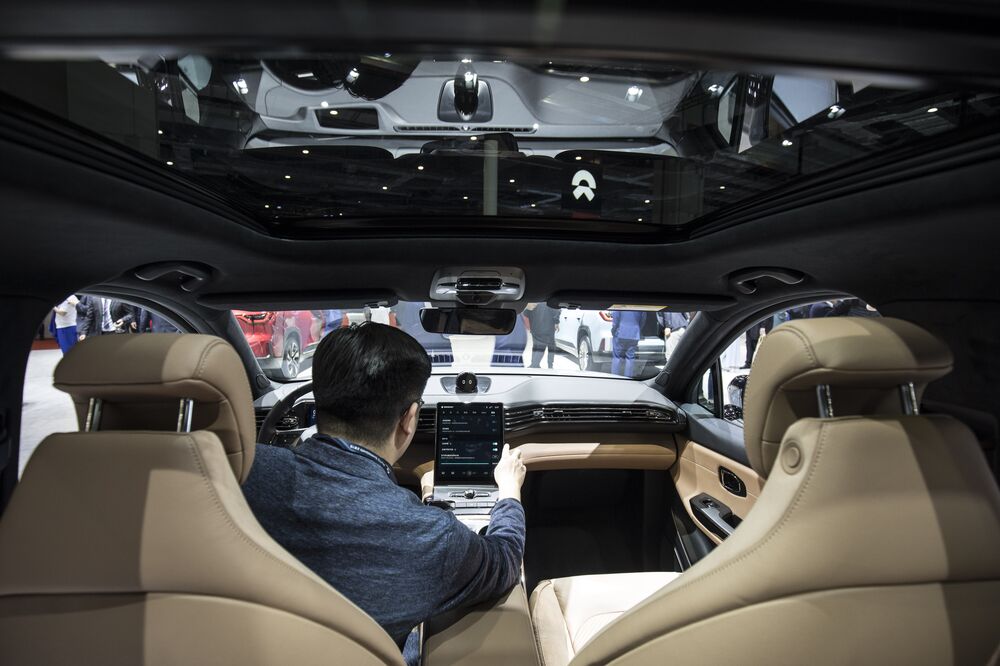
pixel 533 405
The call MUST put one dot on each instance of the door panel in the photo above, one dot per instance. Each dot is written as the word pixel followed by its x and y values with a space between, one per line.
pixel 720 435
pixel 697 472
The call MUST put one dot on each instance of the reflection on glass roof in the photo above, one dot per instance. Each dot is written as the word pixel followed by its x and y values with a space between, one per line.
pixel 316 141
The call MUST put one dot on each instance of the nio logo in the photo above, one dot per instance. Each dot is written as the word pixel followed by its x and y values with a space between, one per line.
pixel 585 185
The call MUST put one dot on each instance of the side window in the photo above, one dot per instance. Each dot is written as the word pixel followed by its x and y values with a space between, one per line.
pixel 732 368
pixel 44 410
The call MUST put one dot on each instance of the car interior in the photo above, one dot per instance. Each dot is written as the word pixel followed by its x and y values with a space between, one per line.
pixel 725 276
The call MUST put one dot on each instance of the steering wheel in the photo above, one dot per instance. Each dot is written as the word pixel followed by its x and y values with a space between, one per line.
pixel 268 428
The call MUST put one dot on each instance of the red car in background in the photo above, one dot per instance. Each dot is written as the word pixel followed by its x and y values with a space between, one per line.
pixel 281 339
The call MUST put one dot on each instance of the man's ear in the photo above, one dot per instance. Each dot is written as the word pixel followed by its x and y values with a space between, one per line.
pixel 406 428
pixel 408 424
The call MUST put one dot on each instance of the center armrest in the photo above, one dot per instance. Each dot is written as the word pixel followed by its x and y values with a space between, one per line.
pixel 498 633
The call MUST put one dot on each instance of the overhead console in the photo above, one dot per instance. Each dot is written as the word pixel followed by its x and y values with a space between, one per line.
pixel 477 287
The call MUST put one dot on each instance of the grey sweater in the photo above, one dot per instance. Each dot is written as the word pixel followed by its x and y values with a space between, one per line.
pixel 343 515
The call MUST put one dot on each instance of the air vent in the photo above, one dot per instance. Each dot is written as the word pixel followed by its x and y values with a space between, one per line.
pixel 479 129
pixel 427 420
pixel 518 418
pixel 441 358
pixel 507 360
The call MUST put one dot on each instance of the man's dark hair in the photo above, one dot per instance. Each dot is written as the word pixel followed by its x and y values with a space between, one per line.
pixel 364 377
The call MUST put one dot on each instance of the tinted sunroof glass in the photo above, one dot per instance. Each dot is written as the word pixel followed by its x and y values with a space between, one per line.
pixel 320 140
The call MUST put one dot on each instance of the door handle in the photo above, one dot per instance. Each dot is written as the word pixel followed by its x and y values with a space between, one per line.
pixel 714 515
pixel 193 276
pixel 732 482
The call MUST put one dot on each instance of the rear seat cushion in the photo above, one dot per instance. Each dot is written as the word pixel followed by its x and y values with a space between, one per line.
pixel 568 612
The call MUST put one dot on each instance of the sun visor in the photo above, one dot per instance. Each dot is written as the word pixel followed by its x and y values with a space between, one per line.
pixel 299 300
pixel 646 301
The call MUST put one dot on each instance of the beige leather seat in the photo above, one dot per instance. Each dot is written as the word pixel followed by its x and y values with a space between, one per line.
pixel 568 612
pixel 133 544
pixel 876 538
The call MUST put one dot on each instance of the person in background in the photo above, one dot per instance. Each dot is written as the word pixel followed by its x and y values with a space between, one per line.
pixel 126 317
pixel 406 317
pixel 93 317
pixel 626 330
pixel 822 309
pixel 150 322
pixel 543 322
pixel 869 310
pixel 854 307
pixel 674 324
pixel 65 323
pixel 332 320
pixel 801 312
pixel 99 316
pixel 754 334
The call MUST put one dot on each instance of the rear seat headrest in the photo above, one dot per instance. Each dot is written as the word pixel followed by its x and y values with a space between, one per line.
pixel 141 379
pixel 863 360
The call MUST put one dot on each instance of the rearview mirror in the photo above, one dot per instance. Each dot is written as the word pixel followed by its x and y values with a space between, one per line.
pixel 468 321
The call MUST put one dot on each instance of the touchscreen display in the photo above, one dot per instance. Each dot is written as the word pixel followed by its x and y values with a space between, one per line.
pixel 469 442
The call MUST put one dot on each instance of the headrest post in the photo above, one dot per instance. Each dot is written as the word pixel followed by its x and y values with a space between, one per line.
pixel 184 415
pixel 825 400
pixel 908 395
pixel 93 421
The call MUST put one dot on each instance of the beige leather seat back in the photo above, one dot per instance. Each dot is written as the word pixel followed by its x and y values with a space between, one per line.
pixel 137 547
pixel 875 540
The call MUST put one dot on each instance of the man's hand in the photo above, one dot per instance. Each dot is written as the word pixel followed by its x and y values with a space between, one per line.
pixel 509 474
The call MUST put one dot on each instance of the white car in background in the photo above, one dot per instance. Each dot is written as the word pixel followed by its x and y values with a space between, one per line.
pixel 586 335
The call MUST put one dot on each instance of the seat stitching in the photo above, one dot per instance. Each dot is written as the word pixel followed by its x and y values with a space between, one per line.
pixel 204 357
pixel 193 446
pixel 808 350
pixel 750 384
pixel 565 626
pixel 538 639
pixel 253 544
pixel 805 341
pixel 562 614
pixel 225 398
pixel 591 617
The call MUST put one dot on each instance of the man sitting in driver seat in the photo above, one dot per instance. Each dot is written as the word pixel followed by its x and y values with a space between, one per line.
pixel 333 501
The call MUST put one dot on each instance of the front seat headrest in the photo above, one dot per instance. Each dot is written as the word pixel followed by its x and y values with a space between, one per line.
pixel 863 360
pixel 141 379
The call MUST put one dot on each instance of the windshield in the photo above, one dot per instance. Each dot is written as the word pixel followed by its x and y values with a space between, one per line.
pixel 544 340
pixel 344 140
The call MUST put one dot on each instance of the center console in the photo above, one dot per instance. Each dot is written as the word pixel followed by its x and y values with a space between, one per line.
pixel 467 446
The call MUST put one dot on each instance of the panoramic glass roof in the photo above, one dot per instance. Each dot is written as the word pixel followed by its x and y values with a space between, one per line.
pixel 328 139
